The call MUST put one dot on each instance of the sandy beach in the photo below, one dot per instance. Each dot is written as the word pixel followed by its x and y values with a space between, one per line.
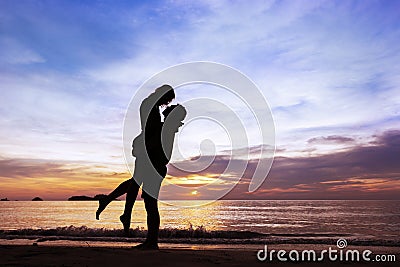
pixel 168 255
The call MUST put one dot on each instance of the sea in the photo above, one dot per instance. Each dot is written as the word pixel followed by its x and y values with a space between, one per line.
pixel 225 221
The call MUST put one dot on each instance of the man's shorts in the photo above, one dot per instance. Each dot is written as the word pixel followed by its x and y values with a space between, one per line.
pixel 149 177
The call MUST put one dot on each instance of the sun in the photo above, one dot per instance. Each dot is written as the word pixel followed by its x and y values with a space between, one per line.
pixel 194 192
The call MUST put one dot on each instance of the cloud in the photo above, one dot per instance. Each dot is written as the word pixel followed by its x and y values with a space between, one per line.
pixel 25 178
pixel 50 115
pixel 13 52
pixel 369 172
pixel 331 139
pixel 14 168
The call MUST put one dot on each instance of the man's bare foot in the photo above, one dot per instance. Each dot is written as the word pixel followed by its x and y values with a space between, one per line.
pixel 150 246
pixel 126 222
pixel 147 246
pixel 102 205
pixel 138 246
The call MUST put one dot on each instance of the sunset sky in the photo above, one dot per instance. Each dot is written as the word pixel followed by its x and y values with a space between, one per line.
pixel 329 71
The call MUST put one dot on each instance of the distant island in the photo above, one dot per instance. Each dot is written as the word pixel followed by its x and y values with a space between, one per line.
pixel 74 198
pixel 4 199
pixel 37 199
pixel 86 198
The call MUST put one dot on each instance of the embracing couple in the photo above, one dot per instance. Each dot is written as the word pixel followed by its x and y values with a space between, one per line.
pixel 152 149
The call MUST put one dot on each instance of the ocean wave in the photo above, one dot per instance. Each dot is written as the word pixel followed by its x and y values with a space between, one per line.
pixel 198 235
pixel 84 231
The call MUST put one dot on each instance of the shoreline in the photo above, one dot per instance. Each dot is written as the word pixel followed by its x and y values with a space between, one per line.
pixel 194 236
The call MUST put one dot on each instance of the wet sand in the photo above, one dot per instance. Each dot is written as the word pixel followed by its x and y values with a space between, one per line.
pixel 59 255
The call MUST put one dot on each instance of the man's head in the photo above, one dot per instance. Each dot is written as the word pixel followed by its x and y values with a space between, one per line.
pixel 165 93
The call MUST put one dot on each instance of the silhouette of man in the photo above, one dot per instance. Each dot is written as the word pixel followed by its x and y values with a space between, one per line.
pixel 152 149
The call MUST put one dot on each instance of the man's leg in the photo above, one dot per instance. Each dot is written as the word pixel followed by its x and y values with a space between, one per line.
pixel 119 191
pixel 131 195
pixel 153 221
pixel 151 189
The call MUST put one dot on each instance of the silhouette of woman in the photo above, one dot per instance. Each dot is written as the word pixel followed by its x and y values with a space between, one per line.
pixel 152 149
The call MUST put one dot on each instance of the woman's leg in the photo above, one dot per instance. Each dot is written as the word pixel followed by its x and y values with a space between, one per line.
pixel 119 191
pixel 131 195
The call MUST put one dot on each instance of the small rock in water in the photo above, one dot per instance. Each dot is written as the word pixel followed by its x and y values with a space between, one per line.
pixel 35 244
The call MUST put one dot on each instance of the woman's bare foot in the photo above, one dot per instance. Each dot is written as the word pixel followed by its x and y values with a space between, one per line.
pixel 102 205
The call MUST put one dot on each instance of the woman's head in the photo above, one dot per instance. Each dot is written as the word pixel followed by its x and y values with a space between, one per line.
pixel 175 113
pixel 165 94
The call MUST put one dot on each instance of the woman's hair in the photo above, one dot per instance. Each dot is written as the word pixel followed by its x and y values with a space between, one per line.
pixel 164 94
